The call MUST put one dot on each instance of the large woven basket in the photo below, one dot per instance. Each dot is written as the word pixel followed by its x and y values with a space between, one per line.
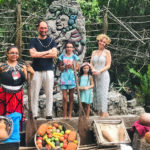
pixel 9 126
pixel 66 125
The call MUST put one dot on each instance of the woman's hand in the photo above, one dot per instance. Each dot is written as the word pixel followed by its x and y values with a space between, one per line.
pixel 30 69
pixel 94 72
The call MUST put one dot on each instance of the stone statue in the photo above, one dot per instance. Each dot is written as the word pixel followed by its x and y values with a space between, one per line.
pixel 65 22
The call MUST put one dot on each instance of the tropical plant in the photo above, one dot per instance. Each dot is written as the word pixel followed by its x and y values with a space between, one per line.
pixel 123 88
pixel 143 87
pixel 90 9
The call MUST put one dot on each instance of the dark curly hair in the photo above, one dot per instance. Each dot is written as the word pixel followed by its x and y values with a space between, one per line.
pixel 10 47
pixel 81 71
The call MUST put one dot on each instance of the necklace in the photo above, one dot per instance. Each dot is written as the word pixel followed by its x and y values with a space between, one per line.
pixel 44 45
pixel 6 67
pixel 99 53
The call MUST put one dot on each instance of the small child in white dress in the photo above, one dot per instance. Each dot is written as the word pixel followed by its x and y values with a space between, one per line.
pixel 86 85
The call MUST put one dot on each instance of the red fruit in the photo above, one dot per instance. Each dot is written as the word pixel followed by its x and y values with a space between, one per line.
pixel 65 136
pixel 39 146
pixel 53 127
pixel 48 131
pixel 56 125
pixel 48 147
pixel 61 138
pixel 64 145
pixel 39 138
pixel 65 141
pixel 39 141
pixel 50 135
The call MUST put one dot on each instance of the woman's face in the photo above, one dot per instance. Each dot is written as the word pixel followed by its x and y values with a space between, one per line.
pixel 102 43
pixel 69 48
pixel 13 54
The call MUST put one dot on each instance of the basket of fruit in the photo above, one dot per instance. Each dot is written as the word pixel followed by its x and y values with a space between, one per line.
pixel 6 127
pixel 55 135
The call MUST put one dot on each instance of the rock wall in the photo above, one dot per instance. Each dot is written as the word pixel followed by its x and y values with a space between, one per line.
pixel 117 105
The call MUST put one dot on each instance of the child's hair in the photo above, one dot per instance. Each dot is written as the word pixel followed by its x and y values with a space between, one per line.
pixel 69 42
pixel 81 69
pixel 82 72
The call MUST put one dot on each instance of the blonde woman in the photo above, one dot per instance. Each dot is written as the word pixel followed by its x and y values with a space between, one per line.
pixel 101 62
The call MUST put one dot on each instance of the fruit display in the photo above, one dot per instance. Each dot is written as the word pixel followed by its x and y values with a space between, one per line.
pixel 6 128
pixel 145 119
pixel 3 131
pixel 56 136
pixel 147 137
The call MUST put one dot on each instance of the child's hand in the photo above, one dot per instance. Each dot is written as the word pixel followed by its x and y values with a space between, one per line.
pixel 66 67
pixel 86 88
pixel 81 88
pixel 70 66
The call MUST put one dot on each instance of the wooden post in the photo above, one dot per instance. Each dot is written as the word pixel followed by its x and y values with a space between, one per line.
pixel 105 23
pixel 19 27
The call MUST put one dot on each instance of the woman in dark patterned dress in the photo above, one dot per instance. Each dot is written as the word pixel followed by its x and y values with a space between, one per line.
pixel 12 75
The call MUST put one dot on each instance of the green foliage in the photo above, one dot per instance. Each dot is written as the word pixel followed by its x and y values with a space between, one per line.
pixel 143 87
pixel 1 31
pixel 36 6
pixel 128 7
pixel 122 86
pixel 7 3
pixel 90 9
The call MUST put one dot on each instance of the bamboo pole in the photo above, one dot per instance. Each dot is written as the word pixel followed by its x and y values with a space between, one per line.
pixel 19 27
pixel 105 23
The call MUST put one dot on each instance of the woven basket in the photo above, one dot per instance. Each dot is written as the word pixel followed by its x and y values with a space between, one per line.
pixel 9 126
pixel 67 126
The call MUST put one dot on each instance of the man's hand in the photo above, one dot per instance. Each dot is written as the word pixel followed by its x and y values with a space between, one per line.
pixel 52 53
pixel 35 54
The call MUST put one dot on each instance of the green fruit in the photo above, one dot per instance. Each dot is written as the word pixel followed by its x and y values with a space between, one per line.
pixel 53 130
pixel 62 132
pixel 52 139
pixel 53 143
pixel 60 127
pixel 56 139
pixel 61 144
pixel 45 137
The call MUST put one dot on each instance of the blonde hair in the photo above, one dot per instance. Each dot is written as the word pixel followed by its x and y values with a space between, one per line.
pixel 102 36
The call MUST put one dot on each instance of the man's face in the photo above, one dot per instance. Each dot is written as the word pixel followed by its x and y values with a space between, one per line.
pixel 62 22
pixel 42 29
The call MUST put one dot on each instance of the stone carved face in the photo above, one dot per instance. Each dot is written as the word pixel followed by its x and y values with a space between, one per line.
pixel 62 22
pixel 54 8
